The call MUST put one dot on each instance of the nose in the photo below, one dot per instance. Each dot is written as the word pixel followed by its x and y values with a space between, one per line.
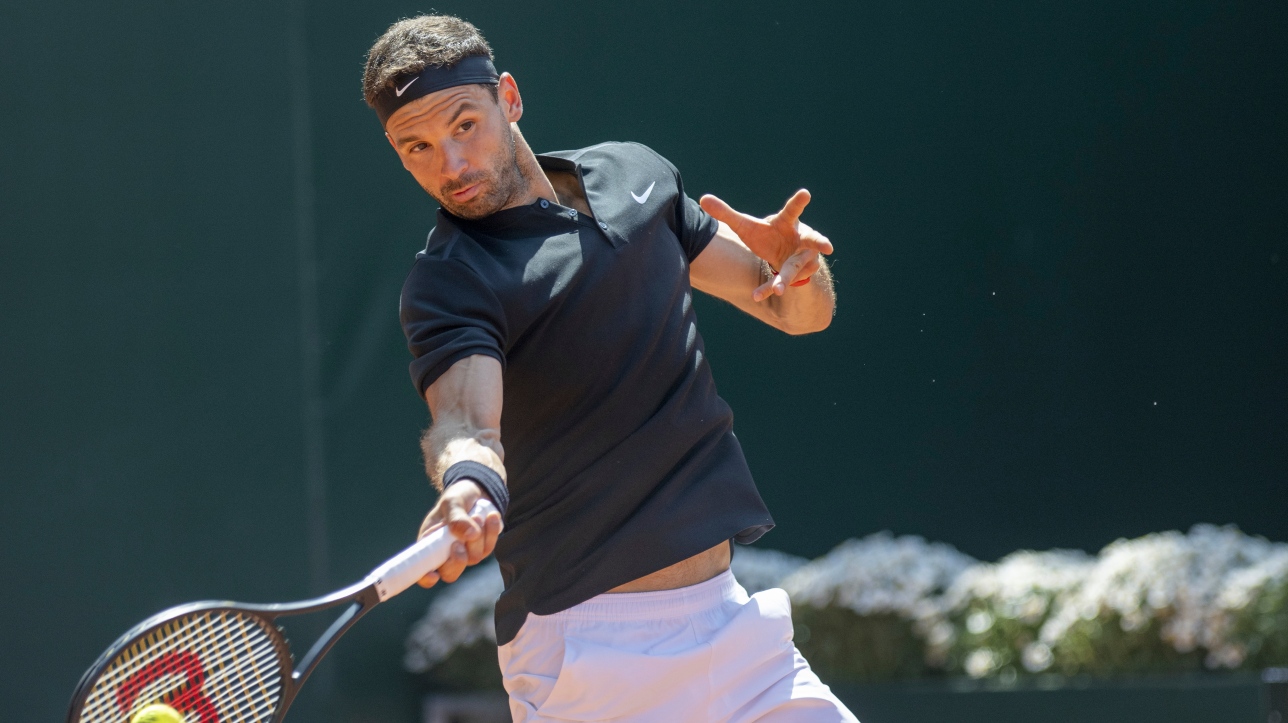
pixel 454 162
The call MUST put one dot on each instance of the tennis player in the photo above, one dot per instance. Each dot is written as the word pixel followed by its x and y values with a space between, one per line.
pixel 552 311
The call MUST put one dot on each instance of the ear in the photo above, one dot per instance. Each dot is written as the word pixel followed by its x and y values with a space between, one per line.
pixel 507 95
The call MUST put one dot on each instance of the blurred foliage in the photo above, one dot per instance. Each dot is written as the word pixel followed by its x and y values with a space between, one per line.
pixel 843 645
pixel 1262 627
pixel 1105 646
pixel 469 667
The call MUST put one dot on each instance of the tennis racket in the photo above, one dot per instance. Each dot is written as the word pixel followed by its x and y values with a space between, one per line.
pixel 226 662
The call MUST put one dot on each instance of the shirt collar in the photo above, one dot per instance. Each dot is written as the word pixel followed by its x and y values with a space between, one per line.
pixel 557 162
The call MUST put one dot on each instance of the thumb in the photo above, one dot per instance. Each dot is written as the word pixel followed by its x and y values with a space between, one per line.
pixel 459 521
pixel 721 211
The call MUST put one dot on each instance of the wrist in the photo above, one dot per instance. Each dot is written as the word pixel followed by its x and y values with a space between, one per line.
pixel 486 478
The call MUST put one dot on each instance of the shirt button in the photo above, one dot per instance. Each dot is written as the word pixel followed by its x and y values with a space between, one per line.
pixel 545 203
pixel 603 225
pixel 572 214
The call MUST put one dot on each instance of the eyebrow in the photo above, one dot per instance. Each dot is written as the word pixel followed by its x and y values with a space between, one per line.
pixel 464 106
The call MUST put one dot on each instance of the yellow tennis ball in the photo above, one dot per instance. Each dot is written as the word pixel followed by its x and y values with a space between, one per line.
pixel 157 713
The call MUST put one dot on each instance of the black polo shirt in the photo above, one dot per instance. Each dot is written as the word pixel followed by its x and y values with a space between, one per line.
pixel 621 458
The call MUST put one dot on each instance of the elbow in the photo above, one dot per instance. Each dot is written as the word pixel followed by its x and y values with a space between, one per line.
pixel 801 327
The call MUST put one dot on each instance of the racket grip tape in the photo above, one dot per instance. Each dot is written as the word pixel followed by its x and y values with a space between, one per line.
pixel 428 554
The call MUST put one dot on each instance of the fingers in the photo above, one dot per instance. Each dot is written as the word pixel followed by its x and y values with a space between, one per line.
pixel 462 526
pixel 796 266
pixel 799 265
pixel 431 521
pixel 765 290
pixel 476 547
pixel 722 211
pixel 811 239
pixel 794 207
pixel 491 530
pixel 481 546
pixel 456 563
pixel 475 538
pixel 807 268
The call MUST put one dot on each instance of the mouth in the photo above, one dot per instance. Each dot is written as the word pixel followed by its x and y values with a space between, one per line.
pixel 466 193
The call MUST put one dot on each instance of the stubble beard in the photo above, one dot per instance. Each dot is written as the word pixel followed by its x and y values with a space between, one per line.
pixel 500 187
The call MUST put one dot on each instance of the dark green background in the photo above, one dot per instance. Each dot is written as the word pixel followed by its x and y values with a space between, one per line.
pixel 1062 261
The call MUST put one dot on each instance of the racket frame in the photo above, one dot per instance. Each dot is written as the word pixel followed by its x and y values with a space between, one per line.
pixel 389 579
pixel 361 596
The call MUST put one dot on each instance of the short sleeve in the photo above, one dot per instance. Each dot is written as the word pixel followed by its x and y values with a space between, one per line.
pixel 448 313
pixel 694 227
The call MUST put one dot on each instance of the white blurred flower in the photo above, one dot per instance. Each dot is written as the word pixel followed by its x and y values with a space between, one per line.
pixel 458 616
pixel 1037 657
pixel 979 622
pixel 940 634
pixel 1181 580
pixel 1242 589
pixel 1020 585
pixel 1228 656
pixel 880 573
pixel 980 663
pixel 1245 585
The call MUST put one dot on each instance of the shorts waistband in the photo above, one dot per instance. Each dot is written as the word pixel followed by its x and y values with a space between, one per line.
pixel 660 603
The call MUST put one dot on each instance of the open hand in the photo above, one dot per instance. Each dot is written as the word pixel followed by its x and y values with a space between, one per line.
pixel 781 240
pixel 475 538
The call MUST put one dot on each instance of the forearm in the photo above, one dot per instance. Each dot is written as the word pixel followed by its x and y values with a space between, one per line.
pixel 465 404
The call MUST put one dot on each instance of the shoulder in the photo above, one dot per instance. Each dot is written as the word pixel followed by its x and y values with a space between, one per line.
pixel 448 245
pixel 623 149
pixel 629 156
pixel 445 241
pixel 447 263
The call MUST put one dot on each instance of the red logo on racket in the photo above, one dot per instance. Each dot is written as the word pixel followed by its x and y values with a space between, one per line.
pixel 190 697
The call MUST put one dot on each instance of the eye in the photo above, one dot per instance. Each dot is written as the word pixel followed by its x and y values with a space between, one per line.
pixel 467 125
pixel 418 147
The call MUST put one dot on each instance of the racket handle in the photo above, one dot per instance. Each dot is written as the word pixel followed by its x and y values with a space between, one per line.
pixel 428 554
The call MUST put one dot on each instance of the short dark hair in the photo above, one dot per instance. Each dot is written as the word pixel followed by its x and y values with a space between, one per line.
pixel 413 44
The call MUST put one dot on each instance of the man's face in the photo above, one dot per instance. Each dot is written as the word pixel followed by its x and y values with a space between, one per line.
pixel 458 145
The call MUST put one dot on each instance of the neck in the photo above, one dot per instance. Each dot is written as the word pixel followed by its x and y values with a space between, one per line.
pixel 536 185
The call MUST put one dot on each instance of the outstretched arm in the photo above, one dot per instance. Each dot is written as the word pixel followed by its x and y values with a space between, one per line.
pixel 753 263
pixel 465 405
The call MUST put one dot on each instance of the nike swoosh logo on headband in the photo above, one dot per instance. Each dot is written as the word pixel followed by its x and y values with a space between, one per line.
pixel 399 91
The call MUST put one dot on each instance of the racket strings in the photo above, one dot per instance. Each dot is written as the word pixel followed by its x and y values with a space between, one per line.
pixel 219 666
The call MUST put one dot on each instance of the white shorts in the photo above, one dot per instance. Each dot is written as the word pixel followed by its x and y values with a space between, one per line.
pixel 703 654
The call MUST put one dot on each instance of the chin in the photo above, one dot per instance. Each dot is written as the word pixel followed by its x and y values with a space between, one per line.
pixel 471 211
pixel 484 204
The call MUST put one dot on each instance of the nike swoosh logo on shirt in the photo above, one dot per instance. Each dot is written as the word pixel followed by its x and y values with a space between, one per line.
pixel 399 91
pixel 641 199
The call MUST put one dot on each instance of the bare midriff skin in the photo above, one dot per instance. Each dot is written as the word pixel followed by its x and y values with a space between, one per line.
pixel 699 568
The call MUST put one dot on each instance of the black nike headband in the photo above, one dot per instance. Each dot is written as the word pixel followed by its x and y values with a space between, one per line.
pixel 409 87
